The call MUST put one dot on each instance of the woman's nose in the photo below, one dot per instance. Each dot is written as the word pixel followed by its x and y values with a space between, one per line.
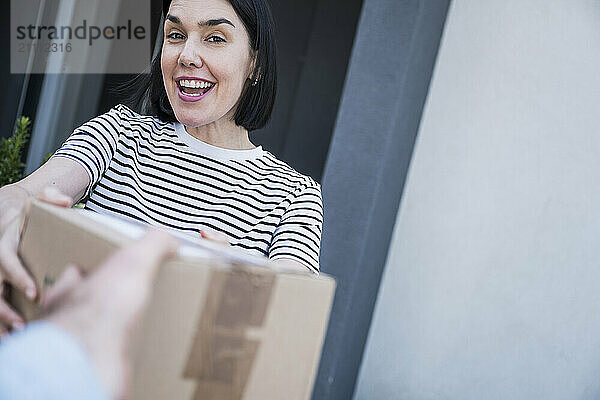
pixel 189 56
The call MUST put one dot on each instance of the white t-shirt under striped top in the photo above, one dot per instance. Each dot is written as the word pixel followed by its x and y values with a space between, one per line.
pixel 155 172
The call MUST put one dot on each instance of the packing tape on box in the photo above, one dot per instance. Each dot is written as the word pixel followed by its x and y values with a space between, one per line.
pixel 221 357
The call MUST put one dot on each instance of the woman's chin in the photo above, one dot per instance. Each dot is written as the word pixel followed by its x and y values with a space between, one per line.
pixel 190 119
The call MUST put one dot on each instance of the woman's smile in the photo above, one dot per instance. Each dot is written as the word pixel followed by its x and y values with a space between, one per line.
pixel 192 89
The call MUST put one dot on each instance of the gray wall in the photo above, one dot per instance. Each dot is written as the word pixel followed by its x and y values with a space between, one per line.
pixel 386 86
pixel 492 285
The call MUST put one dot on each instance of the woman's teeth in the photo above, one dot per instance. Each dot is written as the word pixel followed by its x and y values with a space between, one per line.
pixel 195 84
pixel 194 88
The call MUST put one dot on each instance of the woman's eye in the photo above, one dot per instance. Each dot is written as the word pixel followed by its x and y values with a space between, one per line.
pixel 175 36
pixel 215 39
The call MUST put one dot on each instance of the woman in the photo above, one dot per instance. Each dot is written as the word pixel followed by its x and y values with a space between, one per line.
pixel 189 164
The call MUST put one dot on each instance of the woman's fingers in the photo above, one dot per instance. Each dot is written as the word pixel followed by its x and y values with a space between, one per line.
pixel 54 196
pixel 11 268
pixel 10 264
pixel 214 236
pixel 8 316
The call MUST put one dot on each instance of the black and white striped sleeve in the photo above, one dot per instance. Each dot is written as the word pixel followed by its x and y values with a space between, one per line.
pixel 298 235
pixel 93 144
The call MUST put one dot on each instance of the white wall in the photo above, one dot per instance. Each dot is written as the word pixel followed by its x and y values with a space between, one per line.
pixel 492 287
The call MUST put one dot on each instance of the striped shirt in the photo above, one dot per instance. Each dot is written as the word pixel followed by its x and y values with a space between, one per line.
pixel 145 169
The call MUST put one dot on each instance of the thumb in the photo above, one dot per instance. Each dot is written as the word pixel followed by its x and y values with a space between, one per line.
pixel 146 254
pixel 68 280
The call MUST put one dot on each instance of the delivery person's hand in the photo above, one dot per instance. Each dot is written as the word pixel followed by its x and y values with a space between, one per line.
pixel 102 309
pixel 11 268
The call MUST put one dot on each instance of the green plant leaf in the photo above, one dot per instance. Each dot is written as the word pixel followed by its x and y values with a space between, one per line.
pixel 11 164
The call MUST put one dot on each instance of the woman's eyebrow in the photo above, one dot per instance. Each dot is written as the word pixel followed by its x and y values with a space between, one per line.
pixel 215 22
pixel 173 19
pixel 203 24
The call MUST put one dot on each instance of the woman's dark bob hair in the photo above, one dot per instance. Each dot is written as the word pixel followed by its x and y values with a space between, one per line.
pixel 256 102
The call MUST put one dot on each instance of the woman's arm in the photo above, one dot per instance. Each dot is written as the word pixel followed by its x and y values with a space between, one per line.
pixel 67 175
pixel 287 263
pixel 58 181
pixel 297 238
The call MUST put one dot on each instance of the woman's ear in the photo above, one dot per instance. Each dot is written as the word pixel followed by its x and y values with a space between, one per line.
pixel 253 74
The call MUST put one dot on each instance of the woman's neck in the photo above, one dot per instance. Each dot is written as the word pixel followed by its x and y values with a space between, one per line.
pixel 227 136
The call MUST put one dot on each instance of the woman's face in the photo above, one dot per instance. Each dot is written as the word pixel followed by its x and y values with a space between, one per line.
pixel 206 60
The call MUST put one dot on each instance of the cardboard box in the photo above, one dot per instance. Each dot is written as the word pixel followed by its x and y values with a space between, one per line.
pixel 221 324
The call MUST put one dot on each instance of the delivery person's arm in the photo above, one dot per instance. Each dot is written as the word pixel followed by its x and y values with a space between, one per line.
pixel 45 363
pixel 82 350
pixel 57 181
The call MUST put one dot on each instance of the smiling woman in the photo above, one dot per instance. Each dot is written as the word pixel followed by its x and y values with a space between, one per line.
pixel 183 159
pixel 236 41
pixel 203 45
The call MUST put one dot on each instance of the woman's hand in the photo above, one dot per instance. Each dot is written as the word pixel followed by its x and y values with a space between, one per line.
pixel 11 267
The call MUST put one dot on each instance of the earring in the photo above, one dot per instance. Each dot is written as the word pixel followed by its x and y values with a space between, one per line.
pixel 255 81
